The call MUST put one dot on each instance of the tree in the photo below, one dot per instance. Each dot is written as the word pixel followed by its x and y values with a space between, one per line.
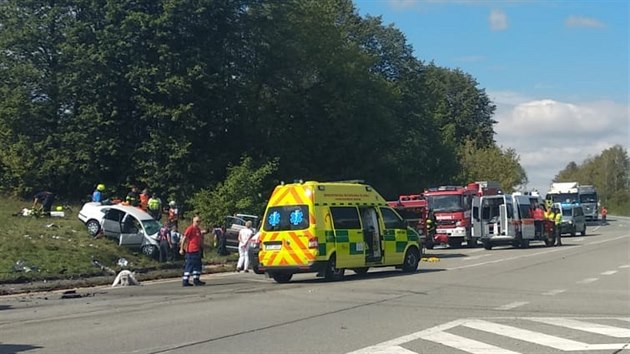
pixel 243 190
pixel 492 164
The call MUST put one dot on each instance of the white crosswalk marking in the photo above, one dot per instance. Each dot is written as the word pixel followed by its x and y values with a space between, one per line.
pixel 538 338
pixel 465 344
pixel 494 326
pixel 610 331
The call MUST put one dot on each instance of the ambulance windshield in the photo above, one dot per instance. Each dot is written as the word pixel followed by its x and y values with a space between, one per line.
pixel 285 218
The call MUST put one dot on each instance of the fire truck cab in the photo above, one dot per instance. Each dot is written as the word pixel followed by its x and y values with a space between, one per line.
pixel 414 210
pixel 451 206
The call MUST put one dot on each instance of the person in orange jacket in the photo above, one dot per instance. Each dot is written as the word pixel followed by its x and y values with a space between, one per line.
pixel 604 213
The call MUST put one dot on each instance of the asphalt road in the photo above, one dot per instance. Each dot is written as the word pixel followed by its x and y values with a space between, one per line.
pixel 537 300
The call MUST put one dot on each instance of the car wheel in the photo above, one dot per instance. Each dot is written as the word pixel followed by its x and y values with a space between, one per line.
pixel 412 258
pixel 93 227
pixel 332 272
pixel 583 233
pixel 149 251
pixel 282 278
pixel 487 245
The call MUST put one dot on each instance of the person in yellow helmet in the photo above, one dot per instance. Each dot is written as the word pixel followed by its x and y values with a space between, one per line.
pixel 97 195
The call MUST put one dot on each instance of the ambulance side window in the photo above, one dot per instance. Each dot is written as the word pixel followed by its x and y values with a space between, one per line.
pixel 345 218
pixel 392 220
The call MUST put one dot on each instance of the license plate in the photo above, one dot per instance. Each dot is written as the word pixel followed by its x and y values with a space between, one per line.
pixel 273 247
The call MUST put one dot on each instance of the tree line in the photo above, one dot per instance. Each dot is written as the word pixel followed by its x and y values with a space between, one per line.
pixel 175 94
pixel 609 172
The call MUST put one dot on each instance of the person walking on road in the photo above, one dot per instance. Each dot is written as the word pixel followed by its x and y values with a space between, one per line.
pixel 191 247
pixel 244 237
pixel 604 213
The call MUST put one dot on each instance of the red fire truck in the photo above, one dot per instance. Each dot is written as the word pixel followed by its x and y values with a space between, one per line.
pixel 451 206
pixel 413 208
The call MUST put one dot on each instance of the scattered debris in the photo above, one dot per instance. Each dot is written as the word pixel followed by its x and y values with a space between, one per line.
pixel 123 262
pixel 52 225
pixel 125 278
pixel 102 267
pixel 70 294
pixel 430 259
pixel 21 266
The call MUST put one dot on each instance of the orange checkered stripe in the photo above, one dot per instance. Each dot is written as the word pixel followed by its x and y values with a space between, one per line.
pixel 294 250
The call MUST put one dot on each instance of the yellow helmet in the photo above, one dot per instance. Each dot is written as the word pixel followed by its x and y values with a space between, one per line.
pixel 59 208
pixel 100 187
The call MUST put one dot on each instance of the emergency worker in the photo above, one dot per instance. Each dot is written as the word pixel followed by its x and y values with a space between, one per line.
pixel 97 195
pixel 431 226
pixel 539 215
pixel 604 213
pixel 173 213
pixel 133 198
pixel 557 224
pixel 154 206
pixel 144 199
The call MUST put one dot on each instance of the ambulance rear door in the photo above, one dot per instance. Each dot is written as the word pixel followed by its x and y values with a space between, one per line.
pixel 506 212
pixel 477 228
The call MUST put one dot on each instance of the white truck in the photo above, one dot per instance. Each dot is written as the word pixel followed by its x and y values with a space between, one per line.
pixel 563 192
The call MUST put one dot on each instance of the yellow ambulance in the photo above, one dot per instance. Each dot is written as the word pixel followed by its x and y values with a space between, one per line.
pixel 328 227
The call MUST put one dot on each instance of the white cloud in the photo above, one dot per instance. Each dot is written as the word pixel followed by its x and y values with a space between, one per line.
pixel 498 20
pixel 580 21
pixel 548 134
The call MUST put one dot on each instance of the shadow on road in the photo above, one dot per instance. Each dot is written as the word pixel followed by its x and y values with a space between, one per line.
pixel 16 348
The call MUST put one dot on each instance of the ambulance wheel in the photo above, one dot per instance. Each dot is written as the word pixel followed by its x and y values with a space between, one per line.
pixel 412 258
pixel 487 245
pixel 282 278
pixel 332 273
pixel 361 271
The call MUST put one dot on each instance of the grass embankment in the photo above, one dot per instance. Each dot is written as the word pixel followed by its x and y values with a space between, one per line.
pixel 53 248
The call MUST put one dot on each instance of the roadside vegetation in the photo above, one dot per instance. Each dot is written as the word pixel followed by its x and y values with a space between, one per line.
pixel 53 248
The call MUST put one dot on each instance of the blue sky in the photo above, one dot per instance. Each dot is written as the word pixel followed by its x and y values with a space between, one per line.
pixel 558 71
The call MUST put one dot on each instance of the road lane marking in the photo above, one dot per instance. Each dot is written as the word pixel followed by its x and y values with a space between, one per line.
pixel 475 257
pixel 465 344
pixel 529 255
pixel 587 280
pixel 625 266
pixel 554 292
pixel 610 272
pixel 606 330
pixel 511 305
pixel 606 240
pixel 538 338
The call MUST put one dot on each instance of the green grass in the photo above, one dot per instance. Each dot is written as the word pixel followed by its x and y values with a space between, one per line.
pixel 32 249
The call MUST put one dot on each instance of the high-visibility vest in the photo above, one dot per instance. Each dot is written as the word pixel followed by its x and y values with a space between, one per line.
pixel 558 218
pixel 154 204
